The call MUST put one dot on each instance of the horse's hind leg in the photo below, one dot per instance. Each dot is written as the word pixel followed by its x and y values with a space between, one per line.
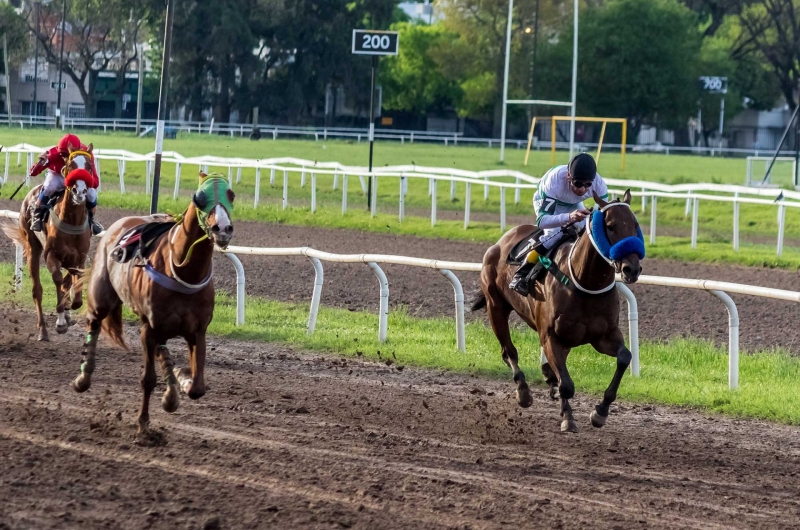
pixel 557 359
pixel 613 345
pixel 171 398
pixel 149 345
pixel 499 310
pixel 551 379
pixel 34 261
pixel 54 266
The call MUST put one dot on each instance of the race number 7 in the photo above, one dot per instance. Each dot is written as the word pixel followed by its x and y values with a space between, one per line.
pixel 549 205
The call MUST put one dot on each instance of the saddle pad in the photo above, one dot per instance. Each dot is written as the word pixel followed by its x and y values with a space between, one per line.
pixel 140 240
pixel 522 247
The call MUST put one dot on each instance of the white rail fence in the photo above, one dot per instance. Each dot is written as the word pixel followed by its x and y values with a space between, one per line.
pixel 446 268
pixel 348 133
pixel 649 192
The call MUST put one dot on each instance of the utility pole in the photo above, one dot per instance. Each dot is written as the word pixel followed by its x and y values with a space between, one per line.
pixel 8 77
pixel 162 105
pixel 36 62
pixel 60 62
pixel 140 51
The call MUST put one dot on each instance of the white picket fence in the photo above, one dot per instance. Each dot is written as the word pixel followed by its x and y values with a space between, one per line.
pixel 373 261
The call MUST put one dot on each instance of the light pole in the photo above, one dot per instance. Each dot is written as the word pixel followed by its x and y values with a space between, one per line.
pixel 36 63
pixel 60 62
pixel 162 105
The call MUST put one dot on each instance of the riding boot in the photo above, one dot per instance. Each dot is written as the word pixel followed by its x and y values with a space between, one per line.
pixel 37 220
pixel 520 281
pixel 97 228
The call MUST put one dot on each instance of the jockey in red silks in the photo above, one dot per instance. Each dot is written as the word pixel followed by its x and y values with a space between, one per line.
pixel 53 162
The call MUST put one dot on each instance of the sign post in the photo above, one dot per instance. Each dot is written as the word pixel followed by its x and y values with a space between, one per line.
pixel 375 43
pixel 716 85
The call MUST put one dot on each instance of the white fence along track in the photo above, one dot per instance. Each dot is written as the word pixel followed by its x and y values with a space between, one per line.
pixel 693 194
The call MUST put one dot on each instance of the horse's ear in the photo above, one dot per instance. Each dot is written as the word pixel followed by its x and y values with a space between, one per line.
pixel 598 200
pixel 231 196
pixel 627 197
pixel 200 200
pixel 202 176
pixel 70 147
pixel 89 149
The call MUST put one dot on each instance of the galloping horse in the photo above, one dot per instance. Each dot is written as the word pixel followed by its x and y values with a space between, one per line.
pixel 167 284
pixel 66 242
pixel 584 311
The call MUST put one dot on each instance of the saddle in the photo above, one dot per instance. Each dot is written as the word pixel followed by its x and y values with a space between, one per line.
pixel 139 241
pixel 519 251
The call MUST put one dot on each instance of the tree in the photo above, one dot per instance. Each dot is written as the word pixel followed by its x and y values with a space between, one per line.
pixel 413 80
pixel 770 31
pixel 630 73
pixel 13 27
pixel 100 35
pixel 477 59
pixel 714 12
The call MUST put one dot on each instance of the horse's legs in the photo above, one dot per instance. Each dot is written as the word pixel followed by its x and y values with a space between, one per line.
pixel 499 310
pixel 84 379
pixel 149 345
pixel 76 286
pixel 551 379
pixel 171 398
pixel 613 345
pixel 102 301
pixel 54 266
pixel 34 260
pixel 557 359
pixel 191 378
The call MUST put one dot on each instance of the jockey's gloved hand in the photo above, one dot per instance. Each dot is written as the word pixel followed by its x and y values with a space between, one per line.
pixel 578 215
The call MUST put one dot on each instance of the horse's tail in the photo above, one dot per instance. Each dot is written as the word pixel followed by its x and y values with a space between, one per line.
pixel 18 235
pixel 479 303
pixel 112 325
pixel 81 277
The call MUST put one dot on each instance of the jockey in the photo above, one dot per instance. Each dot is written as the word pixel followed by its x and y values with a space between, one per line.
pixel 558 202
pixel 54 161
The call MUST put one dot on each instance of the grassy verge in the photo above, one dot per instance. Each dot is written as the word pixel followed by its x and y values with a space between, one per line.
pixel 684 372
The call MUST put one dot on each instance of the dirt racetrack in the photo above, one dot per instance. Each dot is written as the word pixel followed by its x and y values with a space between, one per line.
pixel 287 439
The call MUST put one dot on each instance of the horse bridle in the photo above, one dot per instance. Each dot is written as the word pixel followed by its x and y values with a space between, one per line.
pixel 597 248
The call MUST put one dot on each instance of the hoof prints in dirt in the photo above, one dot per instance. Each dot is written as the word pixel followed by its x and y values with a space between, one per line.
pixel 287 439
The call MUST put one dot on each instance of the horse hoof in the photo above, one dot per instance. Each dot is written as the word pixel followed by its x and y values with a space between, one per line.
pixel 171 399
pixel 81 383
pixel 524 397
pixel 62 329
pixel 597 420
pixel 554 395
pixel 569 426
pixel 43 337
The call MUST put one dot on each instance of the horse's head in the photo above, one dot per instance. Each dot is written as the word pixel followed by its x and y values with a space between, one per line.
pixel 214 203
pixel 78 173
pixel 617 236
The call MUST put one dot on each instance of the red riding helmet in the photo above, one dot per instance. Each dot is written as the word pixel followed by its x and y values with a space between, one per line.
pixel 66 141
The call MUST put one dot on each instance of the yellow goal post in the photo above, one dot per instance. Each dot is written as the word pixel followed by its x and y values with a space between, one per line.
pixel 554 121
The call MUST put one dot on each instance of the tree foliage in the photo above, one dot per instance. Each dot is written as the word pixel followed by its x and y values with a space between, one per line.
pixel 100 35
pixel 13 27
pixel 414 80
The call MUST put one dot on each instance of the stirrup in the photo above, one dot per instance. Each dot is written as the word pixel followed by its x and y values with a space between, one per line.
pixel 37 224
pixel 97 228
pixel 520 285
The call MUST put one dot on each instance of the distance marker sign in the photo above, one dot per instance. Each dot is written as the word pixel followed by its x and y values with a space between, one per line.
pixel 373 42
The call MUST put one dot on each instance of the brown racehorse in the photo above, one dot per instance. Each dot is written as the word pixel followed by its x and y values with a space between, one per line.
pixel 586 311
pixel 65 244
pixel 170 290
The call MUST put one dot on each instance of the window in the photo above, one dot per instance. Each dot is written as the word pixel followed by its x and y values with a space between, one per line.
pixel 76 110
pixel 27 108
